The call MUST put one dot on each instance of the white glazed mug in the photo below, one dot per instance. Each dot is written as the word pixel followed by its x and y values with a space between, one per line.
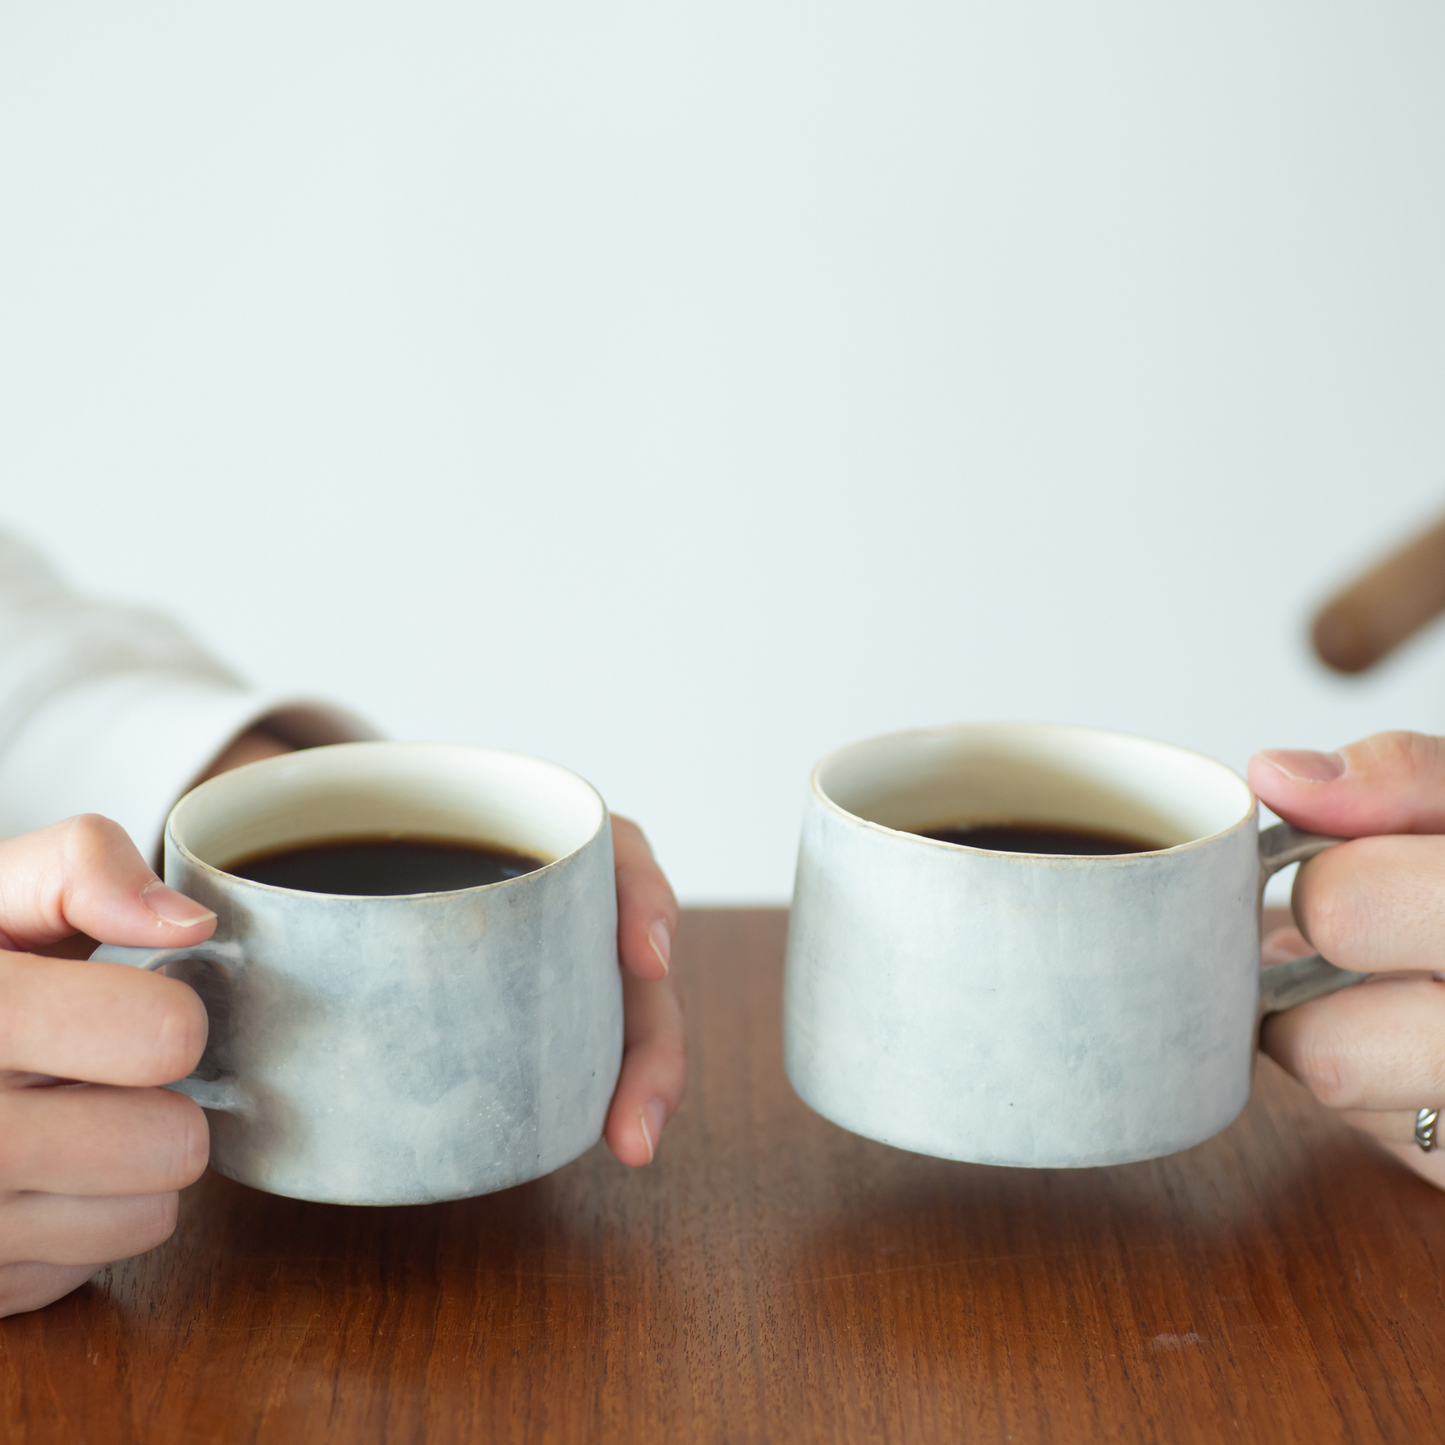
pixel 401 1049
pixel 1022 1009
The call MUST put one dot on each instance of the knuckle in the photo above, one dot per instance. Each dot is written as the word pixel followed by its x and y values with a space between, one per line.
pixel 1407 755
pixel 157 1222
pixel 89 836
pixel 177 1141
pixel 190 1142
pixel 669 1065
pixel 1335 904
pixel 181 1031
pixel 1328 1075
pixel 11 1133
pixel 27 1125
pixel 1319 910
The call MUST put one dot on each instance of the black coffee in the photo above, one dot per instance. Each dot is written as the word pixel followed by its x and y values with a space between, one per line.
pixel 1042 838
pixel 385 865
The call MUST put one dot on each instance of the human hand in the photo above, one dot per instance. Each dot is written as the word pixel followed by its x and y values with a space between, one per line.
pixel 89 1171
pixel 654 1064
pixel 1375 905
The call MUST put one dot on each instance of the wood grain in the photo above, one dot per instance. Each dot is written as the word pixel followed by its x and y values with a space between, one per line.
pixel 774 1278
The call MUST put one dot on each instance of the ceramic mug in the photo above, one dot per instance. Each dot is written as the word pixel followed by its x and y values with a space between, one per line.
pixel 1021 1009
pixel 403 1049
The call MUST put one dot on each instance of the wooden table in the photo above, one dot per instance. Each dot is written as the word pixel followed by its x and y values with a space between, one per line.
pixel 774 1278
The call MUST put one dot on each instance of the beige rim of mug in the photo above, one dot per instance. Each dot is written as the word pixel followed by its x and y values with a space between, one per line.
pixel 207 792
pixel 903 736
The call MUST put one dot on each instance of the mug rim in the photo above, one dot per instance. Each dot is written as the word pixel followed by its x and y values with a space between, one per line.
pixel 172 838
pixel 900 734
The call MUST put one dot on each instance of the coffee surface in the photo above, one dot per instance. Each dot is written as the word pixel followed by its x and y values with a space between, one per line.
pixel 1042 838
pixel 373 867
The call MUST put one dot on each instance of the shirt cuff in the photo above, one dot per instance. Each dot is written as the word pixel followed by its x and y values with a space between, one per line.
pixel 128 745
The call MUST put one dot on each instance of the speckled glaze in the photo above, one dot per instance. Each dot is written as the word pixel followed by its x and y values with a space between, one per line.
pixel 406 1049
pixel 1017 1009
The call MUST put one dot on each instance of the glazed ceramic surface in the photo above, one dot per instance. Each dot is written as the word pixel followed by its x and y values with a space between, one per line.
pixel 1021 1009
pixel 395 1050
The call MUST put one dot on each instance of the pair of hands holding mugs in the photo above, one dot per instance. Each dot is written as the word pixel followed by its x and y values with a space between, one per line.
pixel 90 1171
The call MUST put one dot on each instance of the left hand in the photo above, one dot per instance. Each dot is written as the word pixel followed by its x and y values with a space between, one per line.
pixel 654 1064
pixel 1375 1052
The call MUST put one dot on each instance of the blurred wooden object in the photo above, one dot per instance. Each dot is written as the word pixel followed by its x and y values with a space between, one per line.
pixel 772 1277
pixel 1380 610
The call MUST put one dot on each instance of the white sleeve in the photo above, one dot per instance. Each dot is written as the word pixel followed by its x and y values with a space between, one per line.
pixel 116 710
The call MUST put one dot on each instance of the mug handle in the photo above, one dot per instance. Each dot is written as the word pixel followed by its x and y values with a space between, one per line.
pixel 1283 985
pixel 223 1093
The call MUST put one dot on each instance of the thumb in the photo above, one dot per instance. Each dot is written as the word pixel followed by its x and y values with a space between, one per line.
pixel 1389 783
pixel 85 876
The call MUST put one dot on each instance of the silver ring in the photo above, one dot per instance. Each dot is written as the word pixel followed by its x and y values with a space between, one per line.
pixel 1425 1128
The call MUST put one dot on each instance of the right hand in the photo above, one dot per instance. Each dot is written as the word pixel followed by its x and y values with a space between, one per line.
pixel 89 1171
pixel 1373 904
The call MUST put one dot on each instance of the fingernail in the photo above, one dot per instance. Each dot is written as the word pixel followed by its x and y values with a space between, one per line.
pixel 651 1119
pixel 660 937
pixel 173 907
pixel 1304 766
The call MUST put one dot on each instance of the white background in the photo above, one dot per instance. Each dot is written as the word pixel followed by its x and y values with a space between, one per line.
pixel 680 391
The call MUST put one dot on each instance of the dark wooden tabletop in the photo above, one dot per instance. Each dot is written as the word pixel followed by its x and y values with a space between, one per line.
pixel 771 1277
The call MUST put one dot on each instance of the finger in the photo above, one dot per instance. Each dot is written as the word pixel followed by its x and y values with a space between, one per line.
pixel 1395 1130
pixel 1389 1126
pixel 32 1286
pixel 1375 904
pixel 92 1139
pixel 1372 1047
pixel 1389 783
pixel 646 907
pixel 69 1229
pixel 98 1021
pixel 84 875
pixel 654 1069
pixel 1283 945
